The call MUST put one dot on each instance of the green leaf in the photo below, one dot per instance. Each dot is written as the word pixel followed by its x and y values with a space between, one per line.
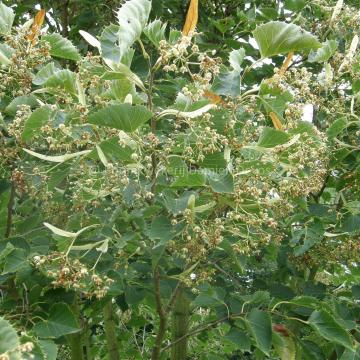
pixel 356 86
pixel 214 161
pixel 257 298
pixel 45 73
pixel 227 83
pixel 174 36
pixel 9 340
pixel 311 351
pixel 49 348
pixel 114 151
pixel 337 127
pixel 189 180
pixel 211 298
pixel 123 117
pixel 64 80
pixel 270 138
pixel 36 352
pixel 132 18
pixel 108 42
pixel 176 166
pixel 117 40
pixel 121 72
pixel 312 234
pixel 221 183
pixel 119 89
pixel 284 346
pixel 21 100
pixel 351 355
pixel 7 16
pixel 61 321
pixel 260 326
pixel 61 47
pixel 351 223
pixel 324 53
pixel 329 328
pixel 295 5
pixel 236 58
pixel 16 260
pixel 276 37
pixel 36 120
pixel 306 301
pixel 155 32
pixel 174 204
pixel 5 54
pixel 90 39
pixel 355 290
pixel 239 338
pixel 161 229
pixel 234 257
pixel 276 104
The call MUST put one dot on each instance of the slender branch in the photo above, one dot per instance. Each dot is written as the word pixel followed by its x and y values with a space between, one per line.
pixel 153 128
pixel 10 211
pixel 202 328
pixel 318 195
pixel 172 300
pixel 226 273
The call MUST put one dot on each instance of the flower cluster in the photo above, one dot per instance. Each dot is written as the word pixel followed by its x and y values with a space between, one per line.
pixel 72 274
pixel 183 59
pixel 16 79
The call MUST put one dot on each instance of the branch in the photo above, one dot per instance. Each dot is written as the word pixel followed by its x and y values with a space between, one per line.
pixel 65 18
pixel 153 128
pixel 226 273
pixel 318 195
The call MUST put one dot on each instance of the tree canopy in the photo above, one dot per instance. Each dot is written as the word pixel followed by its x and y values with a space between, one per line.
pixel 179 180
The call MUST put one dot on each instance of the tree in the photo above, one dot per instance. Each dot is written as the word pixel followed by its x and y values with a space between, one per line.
pixel 169 195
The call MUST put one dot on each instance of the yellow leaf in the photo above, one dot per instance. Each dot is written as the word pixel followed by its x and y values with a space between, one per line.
pixel 276 121
pixel 191 18
pixel 286 64
pixel 215 99
pixel 36 26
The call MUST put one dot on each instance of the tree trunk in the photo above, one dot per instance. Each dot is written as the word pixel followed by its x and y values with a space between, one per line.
pixel 76 340
pixel 87 342
pixel 180 326
pixel 110 332
pixel 76 346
